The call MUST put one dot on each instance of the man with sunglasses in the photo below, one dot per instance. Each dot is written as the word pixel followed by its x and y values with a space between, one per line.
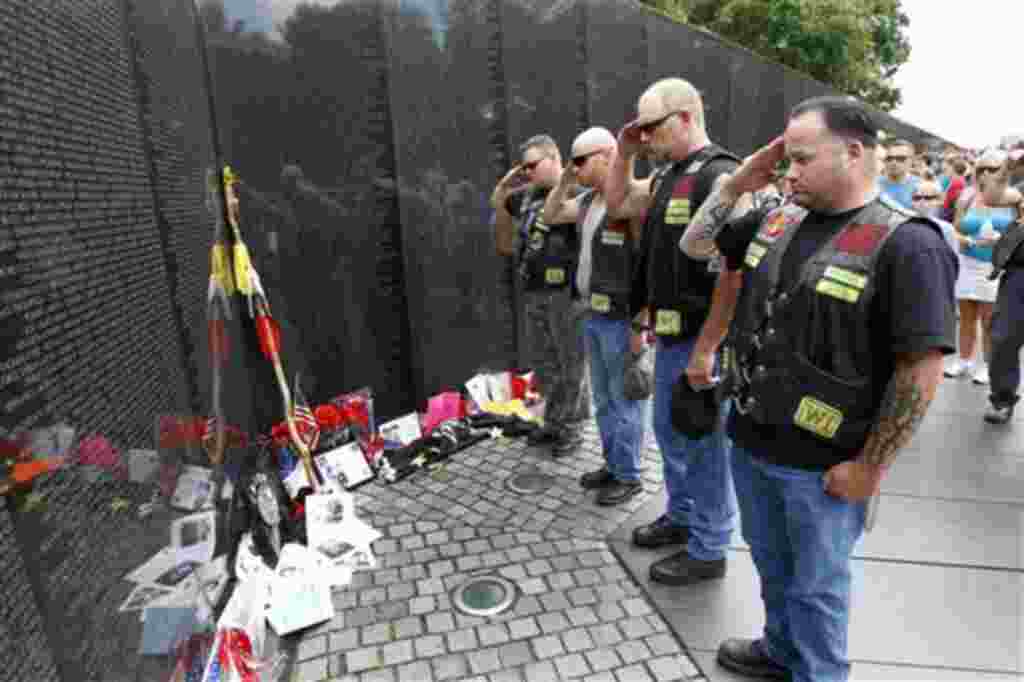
pixel 897 183
pixel 604 279
pixel 547 254
pixel 674 294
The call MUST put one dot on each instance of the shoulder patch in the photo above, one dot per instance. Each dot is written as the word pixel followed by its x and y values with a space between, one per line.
pixel 861 239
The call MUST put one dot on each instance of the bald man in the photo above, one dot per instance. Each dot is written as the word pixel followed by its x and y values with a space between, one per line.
pixel 675 292
pixel 604 281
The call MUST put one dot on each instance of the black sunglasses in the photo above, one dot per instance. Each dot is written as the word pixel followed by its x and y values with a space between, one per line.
pixel 578 161
pixel 530 167
pixel 926 197
pixel 896 158
pixel 649 128
pixel 987 169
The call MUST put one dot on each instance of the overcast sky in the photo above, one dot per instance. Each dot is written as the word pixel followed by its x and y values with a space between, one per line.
pixel 965 78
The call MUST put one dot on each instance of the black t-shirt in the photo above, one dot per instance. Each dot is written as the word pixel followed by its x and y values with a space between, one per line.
pixel 639 296
pixel 913 311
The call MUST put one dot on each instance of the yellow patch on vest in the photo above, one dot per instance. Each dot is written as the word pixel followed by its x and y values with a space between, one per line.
pixel 677 212
pixel 818 417
pixel 836 290
pixel 755 252
pixel 847 277
pixel 600 303
pixel 554 275
pixel 668 322
pixel 613 238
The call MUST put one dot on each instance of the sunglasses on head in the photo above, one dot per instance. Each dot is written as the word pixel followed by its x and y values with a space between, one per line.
pixel 578 161
pixel 649 128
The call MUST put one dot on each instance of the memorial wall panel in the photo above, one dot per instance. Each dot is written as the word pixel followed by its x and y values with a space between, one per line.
pixel 315 155
pixel 543 86
pixel 96 344
pixel 616 52
pixel 441 107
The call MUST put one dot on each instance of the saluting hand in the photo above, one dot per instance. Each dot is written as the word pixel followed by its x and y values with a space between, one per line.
pixel 629 139
pixel 853 480
pixel 758 169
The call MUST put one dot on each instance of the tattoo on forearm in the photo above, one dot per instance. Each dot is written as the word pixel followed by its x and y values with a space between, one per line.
pixel 712 216
pixel 903 408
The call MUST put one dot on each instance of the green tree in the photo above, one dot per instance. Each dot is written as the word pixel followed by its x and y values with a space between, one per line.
pixel 854 45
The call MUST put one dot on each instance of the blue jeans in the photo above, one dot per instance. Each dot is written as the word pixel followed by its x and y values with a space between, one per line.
pixel 801 539
pixel 698 477
pixel 620 421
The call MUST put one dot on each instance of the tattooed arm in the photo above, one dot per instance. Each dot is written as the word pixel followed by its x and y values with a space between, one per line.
pixel 721 206
pixel 904 406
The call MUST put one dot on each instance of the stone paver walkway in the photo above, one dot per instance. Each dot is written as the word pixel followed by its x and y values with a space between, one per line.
pixel 579 614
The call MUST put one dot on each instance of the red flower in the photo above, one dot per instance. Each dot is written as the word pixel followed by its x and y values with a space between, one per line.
pixel 328 416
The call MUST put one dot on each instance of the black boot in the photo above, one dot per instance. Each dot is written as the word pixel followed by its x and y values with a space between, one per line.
pixel 618 492
pixel 660 533
pixel 597 479
pixel 746 657
pixel 542 436
pixel 682 569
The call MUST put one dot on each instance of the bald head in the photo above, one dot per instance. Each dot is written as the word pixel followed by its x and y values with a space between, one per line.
pixel 593 140
pixel 669 95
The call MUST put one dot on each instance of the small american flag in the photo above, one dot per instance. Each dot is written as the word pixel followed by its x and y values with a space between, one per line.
pixel 306 425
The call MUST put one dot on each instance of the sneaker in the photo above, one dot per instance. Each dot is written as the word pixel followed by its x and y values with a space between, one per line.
pixel 682 569
pixel 958 368
pixel 980 376
pixel 998 414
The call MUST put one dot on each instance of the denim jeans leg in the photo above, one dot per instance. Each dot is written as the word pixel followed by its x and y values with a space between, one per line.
pixel 762 521
pixel 822 531
pixel 629 414
pixel 599 384
pixel 698 476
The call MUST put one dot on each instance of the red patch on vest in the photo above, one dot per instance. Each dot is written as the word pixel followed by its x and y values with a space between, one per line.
pixel 860 240
pixel 618 226
pixel 775 226
pixel 684 187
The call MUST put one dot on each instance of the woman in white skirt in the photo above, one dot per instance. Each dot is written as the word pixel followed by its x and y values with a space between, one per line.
pixel 982 216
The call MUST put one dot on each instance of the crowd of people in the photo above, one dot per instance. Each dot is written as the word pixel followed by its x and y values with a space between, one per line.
pixel 800 302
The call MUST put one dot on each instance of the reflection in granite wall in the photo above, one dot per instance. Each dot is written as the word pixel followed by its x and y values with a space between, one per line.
pixel 304 120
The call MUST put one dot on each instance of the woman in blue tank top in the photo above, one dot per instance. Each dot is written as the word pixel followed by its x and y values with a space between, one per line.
pixel 980 220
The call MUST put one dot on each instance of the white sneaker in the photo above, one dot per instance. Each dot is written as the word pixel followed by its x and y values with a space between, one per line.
pixel 981 375
pixel 958 368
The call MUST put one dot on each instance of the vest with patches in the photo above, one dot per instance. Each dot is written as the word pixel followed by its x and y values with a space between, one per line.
pixel 802 356
pixel 548 255
pixel 612 260
pixel 679 287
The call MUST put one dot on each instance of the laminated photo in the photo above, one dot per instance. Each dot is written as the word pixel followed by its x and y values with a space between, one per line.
pixel 479 389
pixel 334 531
pixel 194 537
pixel 403 430
pixel 301 594
pixel 344 467
pixel 194 489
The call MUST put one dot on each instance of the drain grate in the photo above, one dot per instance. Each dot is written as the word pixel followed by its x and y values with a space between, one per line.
pixel 530 482
pixel 484 596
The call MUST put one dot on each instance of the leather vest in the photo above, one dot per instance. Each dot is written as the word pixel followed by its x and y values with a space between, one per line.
pixel 612 259
pixel 803 356
pixel 1007 253
pixel 679 287
pixel 548 255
